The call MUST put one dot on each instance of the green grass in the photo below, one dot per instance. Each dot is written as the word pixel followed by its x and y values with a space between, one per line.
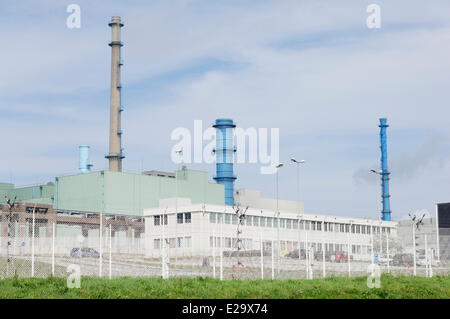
pixel 205 288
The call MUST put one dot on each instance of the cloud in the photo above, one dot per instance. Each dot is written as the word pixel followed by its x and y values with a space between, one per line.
pixel 311 69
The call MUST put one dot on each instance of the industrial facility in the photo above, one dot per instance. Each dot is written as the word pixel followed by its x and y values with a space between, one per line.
pixel 190 210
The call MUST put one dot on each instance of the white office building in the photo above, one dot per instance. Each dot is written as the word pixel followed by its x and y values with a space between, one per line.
pixel 197 230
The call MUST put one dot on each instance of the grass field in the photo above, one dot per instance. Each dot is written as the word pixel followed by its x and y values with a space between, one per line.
pixel 206 288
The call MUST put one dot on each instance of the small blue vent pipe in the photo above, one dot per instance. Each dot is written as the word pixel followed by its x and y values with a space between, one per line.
pixel 224 157
pixel 84 162
pixel 385 197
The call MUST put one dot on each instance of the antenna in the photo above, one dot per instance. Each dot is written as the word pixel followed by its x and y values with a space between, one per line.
pixel 240 215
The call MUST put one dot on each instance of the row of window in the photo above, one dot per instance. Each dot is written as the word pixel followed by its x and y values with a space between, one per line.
pixel 181 218
pixel 259 221
pixel 179 242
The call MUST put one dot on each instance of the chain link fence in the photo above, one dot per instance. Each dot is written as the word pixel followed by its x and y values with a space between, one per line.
pixel 31 246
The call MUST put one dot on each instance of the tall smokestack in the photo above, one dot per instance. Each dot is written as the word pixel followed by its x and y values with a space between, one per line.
pixel 385 197
pixel 224 157
pixel 115 155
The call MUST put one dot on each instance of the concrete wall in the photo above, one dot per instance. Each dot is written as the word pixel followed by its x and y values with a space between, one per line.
pixel 252 198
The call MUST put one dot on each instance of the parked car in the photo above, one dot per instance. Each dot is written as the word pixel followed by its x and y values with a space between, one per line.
pixel 403 260
pixel 339 257
pixel 318 255
pixel 85 253
pixel 294 254
pixel 383 259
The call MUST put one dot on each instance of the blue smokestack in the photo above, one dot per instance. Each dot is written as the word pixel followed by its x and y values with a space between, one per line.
pixel 385 197
pixel 84 162
pixel 224 157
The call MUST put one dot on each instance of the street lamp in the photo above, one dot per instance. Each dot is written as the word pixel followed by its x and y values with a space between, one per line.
pixel 278 222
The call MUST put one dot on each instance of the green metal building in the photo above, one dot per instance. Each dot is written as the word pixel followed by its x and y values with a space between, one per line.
pixel 118 193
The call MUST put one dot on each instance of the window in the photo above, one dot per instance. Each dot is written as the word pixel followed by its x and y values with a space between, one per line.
pixel 219 218
pixel 295 223
pixel 187 218
pixel 157 220
pixel 358 229
pixel 275 222
pixel 306 224
pixel 187 241
pixel 288 223
pixel 269 221
pixel 255 221
pixel 313 225
pixel 212 217
pixel 262 222
pixel 302 224
pixel 227 218
pixel 228 242
pixel 248 220
pixel 319 226
pixel 234 219
pixel 156 243
pixel 172 242
pixel 180 242
pixel 180 218
pixel 283 223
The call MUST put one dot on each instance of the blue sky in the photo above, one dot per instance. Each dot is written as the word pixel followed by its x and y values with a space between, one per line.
pixel 312 69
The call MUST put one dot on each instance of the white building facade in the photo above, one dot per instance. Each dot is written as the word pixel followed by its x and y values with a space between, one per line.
pixel 200 230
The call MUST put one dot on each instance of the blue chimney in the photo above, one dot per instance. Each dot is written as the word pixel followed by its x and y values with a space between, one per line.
pixel 385 197
pixel 84 162
pixel 224 157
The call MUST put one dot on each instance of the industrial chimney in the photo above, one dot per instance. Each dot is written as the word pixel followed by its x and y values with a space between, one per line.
pixel 84 165
pixel 224 157
pixel 385 197
pixel 115 155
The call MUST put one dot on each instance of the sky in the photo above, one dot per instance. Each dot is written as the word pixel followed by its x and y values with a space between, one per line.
pixel 313 69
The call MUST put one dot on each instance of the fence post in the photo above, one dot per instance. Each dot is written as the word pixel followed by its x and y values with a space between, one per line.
pixel 101 246
pixel 307 262
pixel 348 250
pixel 214 252
pixel 110 251
pixel 221 247
pixel 32 242
pixel 262 253
pixel 387 251
pixel 324 274
pixel 273 269
pixel 426 256
pixel 53 249
pixel 414 247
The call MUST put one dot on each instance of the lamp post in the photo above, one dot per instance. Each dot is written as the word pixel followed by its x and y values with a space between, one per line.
pixel 278 222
